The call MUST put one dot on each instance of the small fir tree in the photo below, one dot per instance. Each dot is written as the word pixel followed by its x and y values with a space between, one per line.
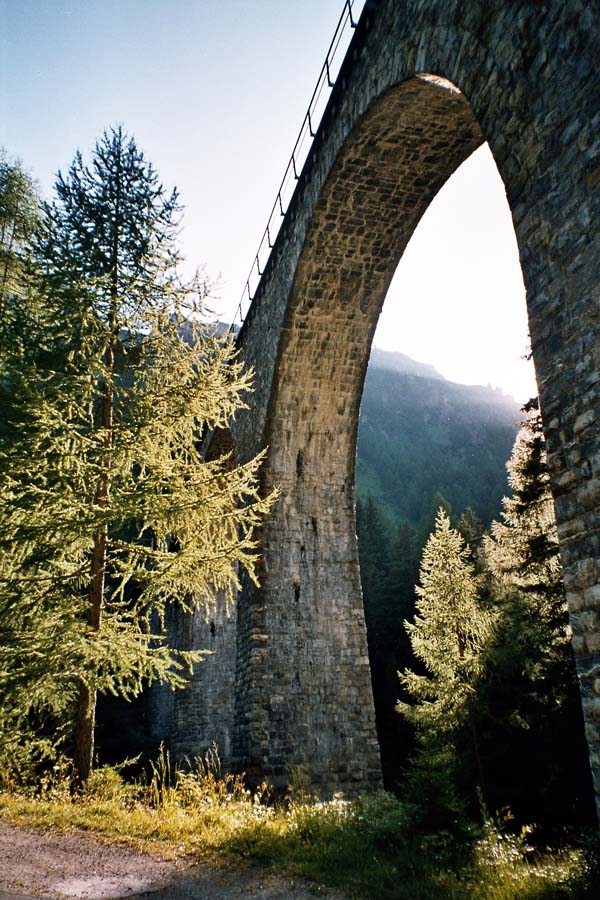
pixel 108 513
pixel 427 522
pixel 449 637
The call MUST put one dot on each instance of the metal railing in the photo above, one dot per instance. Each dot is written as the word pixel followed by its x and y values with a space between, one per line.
pixel 293 170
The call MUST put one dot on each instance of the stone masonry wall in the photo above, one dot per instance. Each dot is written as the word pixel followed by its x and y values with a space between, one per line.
pixel 529 81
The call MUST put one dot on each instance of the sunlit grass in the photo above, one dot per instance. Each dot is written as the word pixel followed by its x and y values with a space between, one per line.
pixel 366 846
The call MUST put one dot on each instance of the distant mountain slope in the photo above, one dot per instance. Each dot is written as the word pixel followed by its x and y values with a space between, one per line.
pixel 400 362
pixel 420 433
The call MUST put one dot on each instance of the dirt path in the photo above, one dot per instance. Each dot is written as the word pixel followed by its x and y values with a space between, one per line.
pixel 35 865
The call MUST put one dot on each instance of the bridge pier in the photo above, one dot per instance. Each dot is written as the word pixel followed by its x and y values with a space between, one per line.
pixel 528 81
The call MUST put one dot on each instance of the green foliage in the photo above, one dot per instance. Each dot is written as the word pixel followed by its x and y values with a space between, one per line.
pixel 389 567
pixel 419 435
pixel 506 718
pixel 374 539
pixel 428 519
pixel 366 847
pixel 423 443
pixel 529 700
pixel 449 635
pixel 189 784
pixel 19 211
pixel 471 529
pixel 523 550
pixel 108 513
pixel 490 692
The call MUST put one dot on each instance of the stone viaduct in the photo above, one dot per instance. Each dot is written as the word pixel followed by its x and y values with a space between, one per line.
pixel 423 84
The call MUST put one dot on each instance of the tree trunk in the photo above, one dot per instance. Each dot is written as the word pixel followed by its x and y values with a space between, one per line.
pixel 86 704
pixel 84 736
pixel 86 708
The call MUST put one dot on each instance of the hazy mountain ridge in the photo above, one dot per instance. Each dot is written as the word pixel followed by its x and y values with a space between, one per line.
pixel 419 434
pixel 400 362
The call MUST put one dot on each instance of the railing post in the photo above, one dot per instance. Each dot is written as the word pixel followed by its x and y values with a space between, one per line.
pixel 353 24
pixel 329 81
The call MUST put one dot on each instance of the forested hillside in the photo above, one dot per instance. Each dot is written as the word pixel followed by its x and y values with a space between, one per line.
pixel 474 622
pixel 420 434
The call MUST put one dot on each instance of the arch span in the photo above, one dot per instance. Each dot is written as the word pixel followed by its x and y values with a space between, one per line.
pixel 529 83
pixel 315 677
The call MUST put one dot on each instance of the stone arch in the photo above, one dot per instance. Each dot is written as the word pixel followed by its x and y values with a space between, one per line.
pixel 529 84
pixel 391 166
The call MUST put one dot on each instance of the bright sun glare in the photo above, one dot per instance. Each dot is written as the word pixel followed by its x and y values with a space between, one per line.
pixel 457 299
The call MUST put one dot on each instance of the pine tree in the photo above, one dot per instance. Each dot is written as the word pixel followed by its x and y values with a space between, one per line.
pixel 449 637
pixel 427 522
pixel 530 699
pixel 472 531
pixel 108 512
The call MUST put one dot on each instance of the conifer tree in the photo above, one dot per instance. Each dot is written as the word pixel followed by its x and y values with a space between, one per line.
pixel 373 549
pixel 108 514
pixel 19 210
pixel 530 699
pixel 472 531
pixel 449 637
pixel 448 634
pixel 427 522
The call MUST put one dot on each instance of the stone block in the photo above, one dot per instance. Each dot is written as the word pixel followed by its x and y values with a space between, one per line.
pixel 588 494
pixel 592 596
pixel 584 420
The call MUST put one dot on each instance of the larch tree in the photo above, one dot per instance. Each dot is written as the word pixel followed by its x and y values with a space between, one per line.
pixel 109 512
pixel 19 211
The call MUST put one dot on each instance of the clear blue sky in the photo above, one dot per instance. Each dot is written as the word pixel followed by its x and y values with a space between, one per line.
pixel 214 93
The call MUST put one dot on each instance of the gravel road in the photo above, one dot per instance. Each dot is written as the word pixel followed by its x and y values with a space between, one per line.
pixel 35 864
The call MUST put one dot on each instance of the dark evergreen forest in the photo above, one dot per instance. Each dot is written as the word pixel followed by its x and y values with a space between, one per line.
pixel 420 434
pixel 427 445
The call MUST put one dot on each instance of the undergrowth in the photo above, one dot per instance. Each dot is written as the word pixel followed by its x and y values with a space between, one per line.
pixel 368 846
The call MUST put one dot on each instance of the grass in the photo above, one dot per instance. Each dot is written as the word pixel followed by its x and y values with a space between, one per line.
pixel 366 847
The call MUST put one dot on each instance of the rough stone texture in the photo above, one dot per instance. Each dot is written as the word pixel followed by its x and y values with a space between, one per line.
pixel 191 720
pixel 203 712
pixel 529 78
